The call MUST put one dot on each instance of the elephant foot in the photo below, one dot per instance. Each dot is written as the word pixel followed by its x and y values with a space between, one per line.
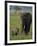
pixel 26 33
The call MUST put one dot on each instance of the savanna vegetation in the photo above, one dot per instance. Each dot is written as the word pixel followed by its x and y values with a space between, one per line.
pixel 16 27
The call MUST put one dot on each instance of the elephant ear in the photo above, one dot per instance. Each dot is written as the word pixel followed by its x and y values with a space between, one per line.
pixel 29 17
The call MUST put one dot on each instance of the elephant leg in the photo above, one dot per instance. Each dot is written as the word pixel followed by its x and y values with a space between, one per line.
pixel 27 26
pixel 22 27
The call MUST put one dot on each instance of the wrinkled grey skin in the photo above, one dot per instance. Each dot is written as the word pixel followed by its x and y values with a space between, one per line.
pixel 26 21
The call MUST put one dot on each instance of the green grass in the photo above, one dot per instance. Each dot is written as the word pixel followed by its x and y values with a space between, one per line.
pixel 21 37
pixel 15 21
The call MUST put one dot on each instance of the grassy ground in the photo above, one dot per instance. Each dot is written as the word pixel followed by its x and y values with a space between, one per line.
pixel 15 21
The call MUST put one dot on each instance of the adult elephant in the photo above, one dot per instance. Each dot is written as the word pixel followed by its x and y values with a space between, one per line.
pixel 26 21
